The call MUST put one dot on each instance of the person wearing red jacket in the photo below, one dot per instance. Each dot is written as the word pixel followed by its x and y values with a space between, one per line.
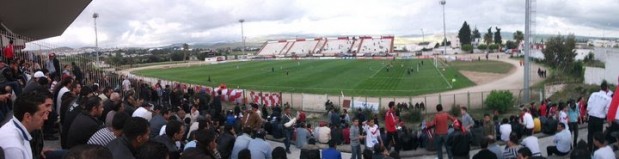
pixel 390 125
pixel 441 127
pixel 9 53
pixel 543 109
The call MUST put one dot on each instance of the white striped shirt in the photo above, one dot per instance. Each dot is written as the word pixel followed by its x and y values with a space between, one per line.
pixel 102 137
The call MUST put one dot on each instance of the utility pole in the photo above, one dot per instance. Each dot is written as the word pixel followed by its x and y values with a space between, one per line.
pixel 527 51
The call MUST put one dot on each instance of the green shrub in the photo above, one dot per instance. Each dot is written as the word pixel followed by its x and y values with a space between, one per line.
pixel 482 46
pixel 493 47
pixel 499 100
pixel 467 48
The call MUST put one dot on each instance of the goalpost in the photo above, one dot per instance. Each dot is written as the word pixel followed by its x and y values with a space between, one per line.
pixel 436 63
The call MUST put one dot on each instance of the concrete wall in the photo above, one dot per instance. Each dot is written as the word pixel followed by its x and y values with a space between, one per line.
pixel 610 73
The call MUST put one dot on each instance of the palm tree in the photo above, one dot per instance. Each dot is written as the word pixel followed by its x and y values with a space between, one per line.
pixel 519 37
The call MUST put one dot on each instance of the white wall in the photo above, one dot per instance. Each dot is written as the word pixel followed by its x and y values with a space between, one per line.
pixel 594 75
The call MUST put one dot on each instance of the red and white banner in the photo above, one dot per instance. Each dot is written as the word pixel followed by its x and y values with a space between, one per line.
pixel 268 99
pixel 230 95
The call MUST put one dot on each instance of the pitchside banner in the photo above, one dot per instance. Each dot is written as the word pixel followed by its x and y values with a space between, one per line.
pixel 365 105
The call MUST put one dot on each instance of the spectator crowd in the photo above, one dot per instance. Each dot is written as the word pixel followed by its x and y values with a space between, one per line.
pixel 94 117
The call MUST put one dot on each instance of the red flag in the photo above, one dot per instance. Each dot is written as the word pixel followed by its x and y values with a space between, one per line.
pixel 612 110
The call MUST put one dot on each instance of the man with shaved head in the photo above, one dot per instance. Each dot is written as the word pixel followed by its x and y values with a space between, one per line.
pixel 113 104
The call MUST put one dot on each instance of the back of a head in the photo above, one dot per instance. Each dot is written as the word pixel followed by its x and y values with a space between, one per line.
pixel 331 143
pixel 260 134
pixel 505 121
pixel 92 103
pixel 599 137
pixel 119 120
pixel 152 150
pixel 279 153
pixel 88 152
pixel 483 143
pixel 439 107
pixel 244 154
pixel 204 138
pixel 513 137
pixel 173 127
pixel 604 85
pixel 525 152
pixel 135 126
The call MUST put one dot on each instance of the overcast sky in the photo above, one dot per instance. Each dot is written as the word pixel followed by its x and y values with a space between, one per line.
pixel 150 23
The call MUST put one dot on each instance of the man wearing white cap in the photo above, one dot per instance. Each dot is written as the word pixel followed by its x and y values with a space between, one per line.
pixel 145 111
pixel 33 83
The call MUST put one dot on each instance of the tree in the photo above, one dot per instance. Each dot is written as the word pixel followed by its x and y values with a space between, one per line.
pixel 476 34
pixel 519 37
pixel 465 34
pixel 559 52
pixel 497 36
pixel 488 36
pixel 185 49
pixel 511 44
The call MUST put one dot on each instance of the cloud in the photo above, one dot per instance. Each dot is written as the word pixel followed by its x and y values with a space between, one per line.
pixel 147 23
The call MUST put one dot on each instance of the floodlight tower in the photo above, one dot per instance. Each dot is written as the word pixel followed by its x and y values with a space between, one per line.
pixel 443 2
pixel 242 35
pixel 95 16
pixel 529 21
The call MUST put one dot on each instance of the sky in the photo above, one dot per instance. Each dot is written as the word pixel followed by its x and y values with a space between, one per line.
pixel 153 23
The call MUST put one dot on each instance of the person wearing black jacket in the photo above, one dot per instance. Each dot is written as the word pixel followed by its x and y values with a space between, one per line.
pixel 77 72
pixel 459 141
pixel 86 123
pixel 484 153
pixel 216 107
pixel 174 132
pixel 225 142
pixel 135 134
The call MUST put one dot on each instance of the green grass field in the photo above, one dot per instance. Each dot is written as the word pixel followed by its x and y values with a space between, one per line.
pixel 352 77
pixel 482 66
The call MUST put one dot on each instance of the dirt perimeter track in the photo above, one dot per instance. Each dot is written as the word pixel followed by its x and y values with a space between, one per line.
pixel 471 96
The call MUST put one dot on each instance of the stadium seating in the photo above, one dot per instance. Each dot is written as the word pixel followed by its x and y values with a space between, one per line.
pixel 303 47
pixel 328 46
pixel 273 48
pixel 375 45
pixel 334 46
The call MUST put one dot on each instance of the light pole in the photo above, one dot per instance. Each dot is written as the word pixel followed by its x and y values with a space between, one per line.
pixel 95 16
pixel 242 35
pixel 527 50
pixel 444 28
pixel 423 36
pixel 443 2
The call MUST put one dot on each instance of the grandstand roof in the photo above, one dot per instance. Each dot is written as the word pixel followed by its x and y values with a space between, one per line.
pixel 37 19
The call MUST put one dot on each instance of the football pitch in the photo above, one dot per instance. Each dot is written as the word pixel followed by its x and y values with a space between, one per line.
pixel 351 77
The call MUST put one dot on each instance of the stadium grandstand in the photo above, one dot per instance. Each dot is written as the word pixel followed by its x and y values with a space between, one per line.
pixel 328 46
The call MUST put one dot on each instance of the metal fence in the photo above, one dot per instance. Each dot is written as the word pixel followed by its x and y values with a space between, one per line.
pixel 111 77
